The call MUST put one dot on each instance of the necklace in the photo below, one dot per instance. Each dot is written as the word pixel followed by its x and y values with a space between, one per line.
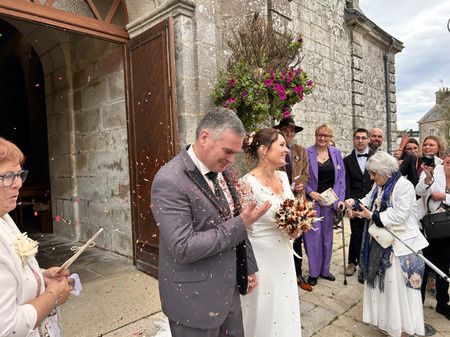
pixel 265 179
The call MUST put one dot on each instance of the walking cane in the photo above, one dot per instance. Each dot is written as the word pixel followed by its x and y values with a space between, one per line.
pixel 341 221
pixel 428 262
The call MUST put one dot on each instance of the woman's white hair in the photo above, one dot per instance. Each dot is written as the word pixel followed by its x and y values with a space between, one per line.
pixel 382 163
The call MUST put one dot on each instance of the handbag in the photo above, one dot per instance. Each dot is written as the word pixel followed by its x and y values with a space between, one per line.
pixel 381 235
pixel 436 225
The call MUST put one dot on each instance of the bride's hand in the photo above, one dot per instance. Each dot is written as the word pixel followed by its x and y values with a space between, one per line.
pixel 295 233
pixel 252 283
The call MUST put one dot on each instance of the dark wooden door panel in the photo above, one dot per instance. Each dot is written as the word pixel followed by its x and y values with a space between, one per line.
pixel 153 130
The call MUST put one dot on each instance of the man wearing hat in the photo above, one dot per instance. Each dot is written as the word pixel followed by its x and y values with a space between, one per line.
pixel 297 172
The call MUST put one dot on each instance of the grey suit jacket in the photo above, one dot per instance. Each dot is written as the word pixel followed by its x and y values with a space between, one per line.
pixel 197 255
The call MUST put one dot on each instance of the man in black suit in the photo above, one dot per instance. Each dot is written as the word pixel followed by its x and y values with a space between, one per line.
pixel 358 184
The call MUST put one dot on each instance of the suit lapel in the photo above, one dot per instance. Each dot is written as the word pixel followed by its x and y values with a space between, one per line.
pixel 198 179
pixel 312 154
pixel 355 165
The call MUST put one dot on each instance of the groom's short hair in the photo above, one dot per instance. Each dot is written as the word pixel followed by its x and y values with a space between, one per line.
pixel 218 120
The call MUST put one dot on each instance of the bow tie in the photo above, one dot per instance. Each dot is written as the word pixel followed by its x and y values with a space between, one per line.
pixel 362 155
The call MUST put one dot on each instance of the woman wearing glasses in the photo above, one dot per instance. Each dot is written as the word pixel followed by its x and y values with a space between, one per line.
pixel 326 170
pixel 29 294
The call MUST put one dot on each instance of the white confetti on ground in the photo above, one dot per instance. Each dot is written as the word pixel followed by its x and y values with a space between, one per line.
pixel 164 328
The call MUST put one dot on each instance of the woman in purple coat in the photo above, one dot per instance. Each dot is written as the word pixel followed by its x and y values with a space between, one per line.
pixel 326 170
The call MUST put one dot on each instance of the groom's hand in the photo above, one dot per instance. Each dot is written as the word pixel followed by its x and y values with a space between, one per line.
pixel 252 283
pixel 251 213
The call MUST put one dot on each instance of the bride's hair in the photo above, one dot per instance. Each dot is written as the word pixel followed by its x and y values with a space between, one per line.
pixel 264 137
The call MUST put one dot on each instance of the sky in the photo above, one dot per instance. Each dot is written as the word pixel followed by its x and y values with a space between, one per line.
pixel 423 66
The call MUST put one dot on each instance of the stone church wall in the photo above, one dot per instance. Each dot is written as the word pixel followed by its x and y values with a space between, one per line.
pixel 101 156
pixel 346 63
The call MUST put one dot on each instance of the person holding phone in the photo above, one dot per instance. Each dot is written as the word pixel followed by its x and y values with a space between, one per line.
pixel 391 274
pixel 434 190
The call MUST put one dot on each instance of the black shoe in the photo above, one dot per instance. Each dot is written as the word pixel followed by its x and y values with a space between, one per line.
pixel 312 280
pixel 329 277
pixel 443 310
pixel 429 330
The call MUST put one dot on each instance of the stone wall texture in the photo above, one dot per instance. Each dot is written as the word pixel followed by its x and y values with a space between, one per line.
pixel 347 65
pixel 101 155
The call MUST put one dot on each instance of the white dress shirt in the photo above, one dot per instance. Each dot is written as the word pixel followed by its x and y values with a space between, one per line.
pixel 362 161
pixel 204 170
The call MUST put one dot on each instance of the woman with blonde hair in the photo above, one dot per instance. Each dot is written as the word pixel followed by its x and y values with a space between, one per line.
pixel 434 190
pixel 326 170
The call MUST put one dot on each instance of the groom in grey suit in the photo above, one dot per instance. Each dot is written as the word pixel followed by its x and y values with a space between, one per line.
pixel 205 258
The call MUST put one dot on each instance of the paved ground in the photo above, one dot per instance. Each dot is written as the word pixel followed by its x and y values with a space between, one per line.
pixel 120 301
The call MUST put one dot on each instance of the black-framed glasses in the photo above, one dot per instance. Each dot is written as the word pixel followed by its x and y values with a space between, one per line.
pixel 8 178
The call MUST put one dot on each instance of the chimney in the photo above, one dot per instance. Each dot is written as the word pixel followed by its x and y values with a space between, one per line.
pixel 441 95
pixel 353 4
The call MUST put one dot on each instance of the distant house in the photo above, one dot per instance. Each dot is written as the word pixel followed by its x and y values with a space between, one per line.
pixel 436 121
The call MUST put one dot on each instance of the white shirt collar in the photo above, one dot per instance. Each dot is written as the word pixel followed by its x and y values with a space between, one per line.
pixel 202 167
pixel 366 151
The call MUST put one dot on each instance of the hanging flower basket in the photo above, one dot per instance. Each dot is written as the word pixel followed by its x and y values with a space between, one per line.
pixel 264 78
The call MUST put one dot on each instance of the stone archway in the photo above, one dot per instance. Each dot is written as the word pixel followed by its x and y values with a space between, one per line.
pixel 87 134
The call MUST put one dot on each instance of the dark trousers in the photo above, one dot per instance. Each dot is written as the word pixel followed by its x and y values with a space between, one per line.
pixel 354 249
pixel 438 252
pixel 232 327
pixel 298 249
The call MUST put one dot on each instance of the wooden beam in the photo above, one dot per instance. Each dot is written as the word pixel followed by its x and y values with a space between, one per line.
pixel 58 18
pixel 94 9
pixel 112 11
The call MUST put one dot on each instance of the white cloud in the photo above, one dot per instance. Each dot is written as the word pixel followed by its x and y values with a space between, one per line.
pixel 423 66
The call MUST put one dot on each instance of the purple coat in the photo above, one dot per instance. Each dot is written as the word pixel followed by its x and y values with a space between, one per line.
pixel 339 172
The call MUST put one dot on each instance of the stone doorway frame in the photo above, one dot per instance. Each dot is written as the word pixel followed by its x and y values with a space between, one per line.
pixel 35 11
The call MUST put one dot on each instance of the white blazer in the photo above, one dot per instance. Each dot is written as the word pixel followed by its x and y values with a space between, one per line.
pixel 438 185
pixel 402 217
pixel 16 318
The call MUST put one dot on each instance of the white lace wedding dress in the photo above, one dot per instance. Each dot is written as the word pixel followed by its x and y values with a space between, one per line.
pixel 273 308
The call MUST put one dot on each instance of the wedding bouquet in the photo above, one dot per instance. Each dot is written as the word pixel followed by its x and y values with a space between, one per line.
pixel 296 214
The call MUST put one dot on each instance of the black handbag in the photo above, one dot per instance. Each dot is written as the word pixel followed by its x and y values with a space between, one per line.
pixel 436 225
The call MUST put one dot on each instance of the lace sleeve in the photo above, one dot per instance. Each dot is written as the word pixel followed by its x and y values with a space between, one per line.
pixel 245 191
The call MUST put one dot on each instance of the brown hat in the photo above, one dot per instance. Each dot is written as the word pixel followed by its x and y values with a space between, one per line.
pixel 288 121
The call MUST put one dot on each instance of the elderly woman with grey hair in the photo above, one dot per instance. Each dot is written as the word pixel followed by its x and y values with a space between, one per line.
pixel 391 274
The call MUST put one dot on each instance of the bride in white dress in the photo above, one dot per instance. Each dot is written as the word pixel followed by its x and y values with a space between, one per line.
pixel 273 308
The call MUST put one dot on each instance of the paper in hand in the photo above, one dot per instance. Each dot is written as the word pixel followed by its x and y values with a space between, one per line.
pixel 328 197
pixel 69 262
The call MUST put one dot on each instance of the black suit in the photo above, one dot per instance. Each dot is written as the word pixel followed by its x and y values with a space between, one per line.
pixel 357 186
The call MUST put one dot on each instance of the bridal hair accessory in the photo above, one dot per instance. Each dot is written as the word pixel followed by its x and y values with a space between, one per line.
pixel 25 247
pixel 296 214
pixel 250 137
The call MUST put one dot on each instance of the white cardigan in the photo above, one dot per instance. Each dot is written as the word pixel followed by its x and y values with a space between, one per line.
pixel 438 185
pixel 402 218
pixel 16 318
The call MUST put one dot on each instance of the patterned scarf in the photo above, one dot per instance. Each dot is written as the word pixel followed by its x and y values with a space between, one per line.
pixel 374 259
